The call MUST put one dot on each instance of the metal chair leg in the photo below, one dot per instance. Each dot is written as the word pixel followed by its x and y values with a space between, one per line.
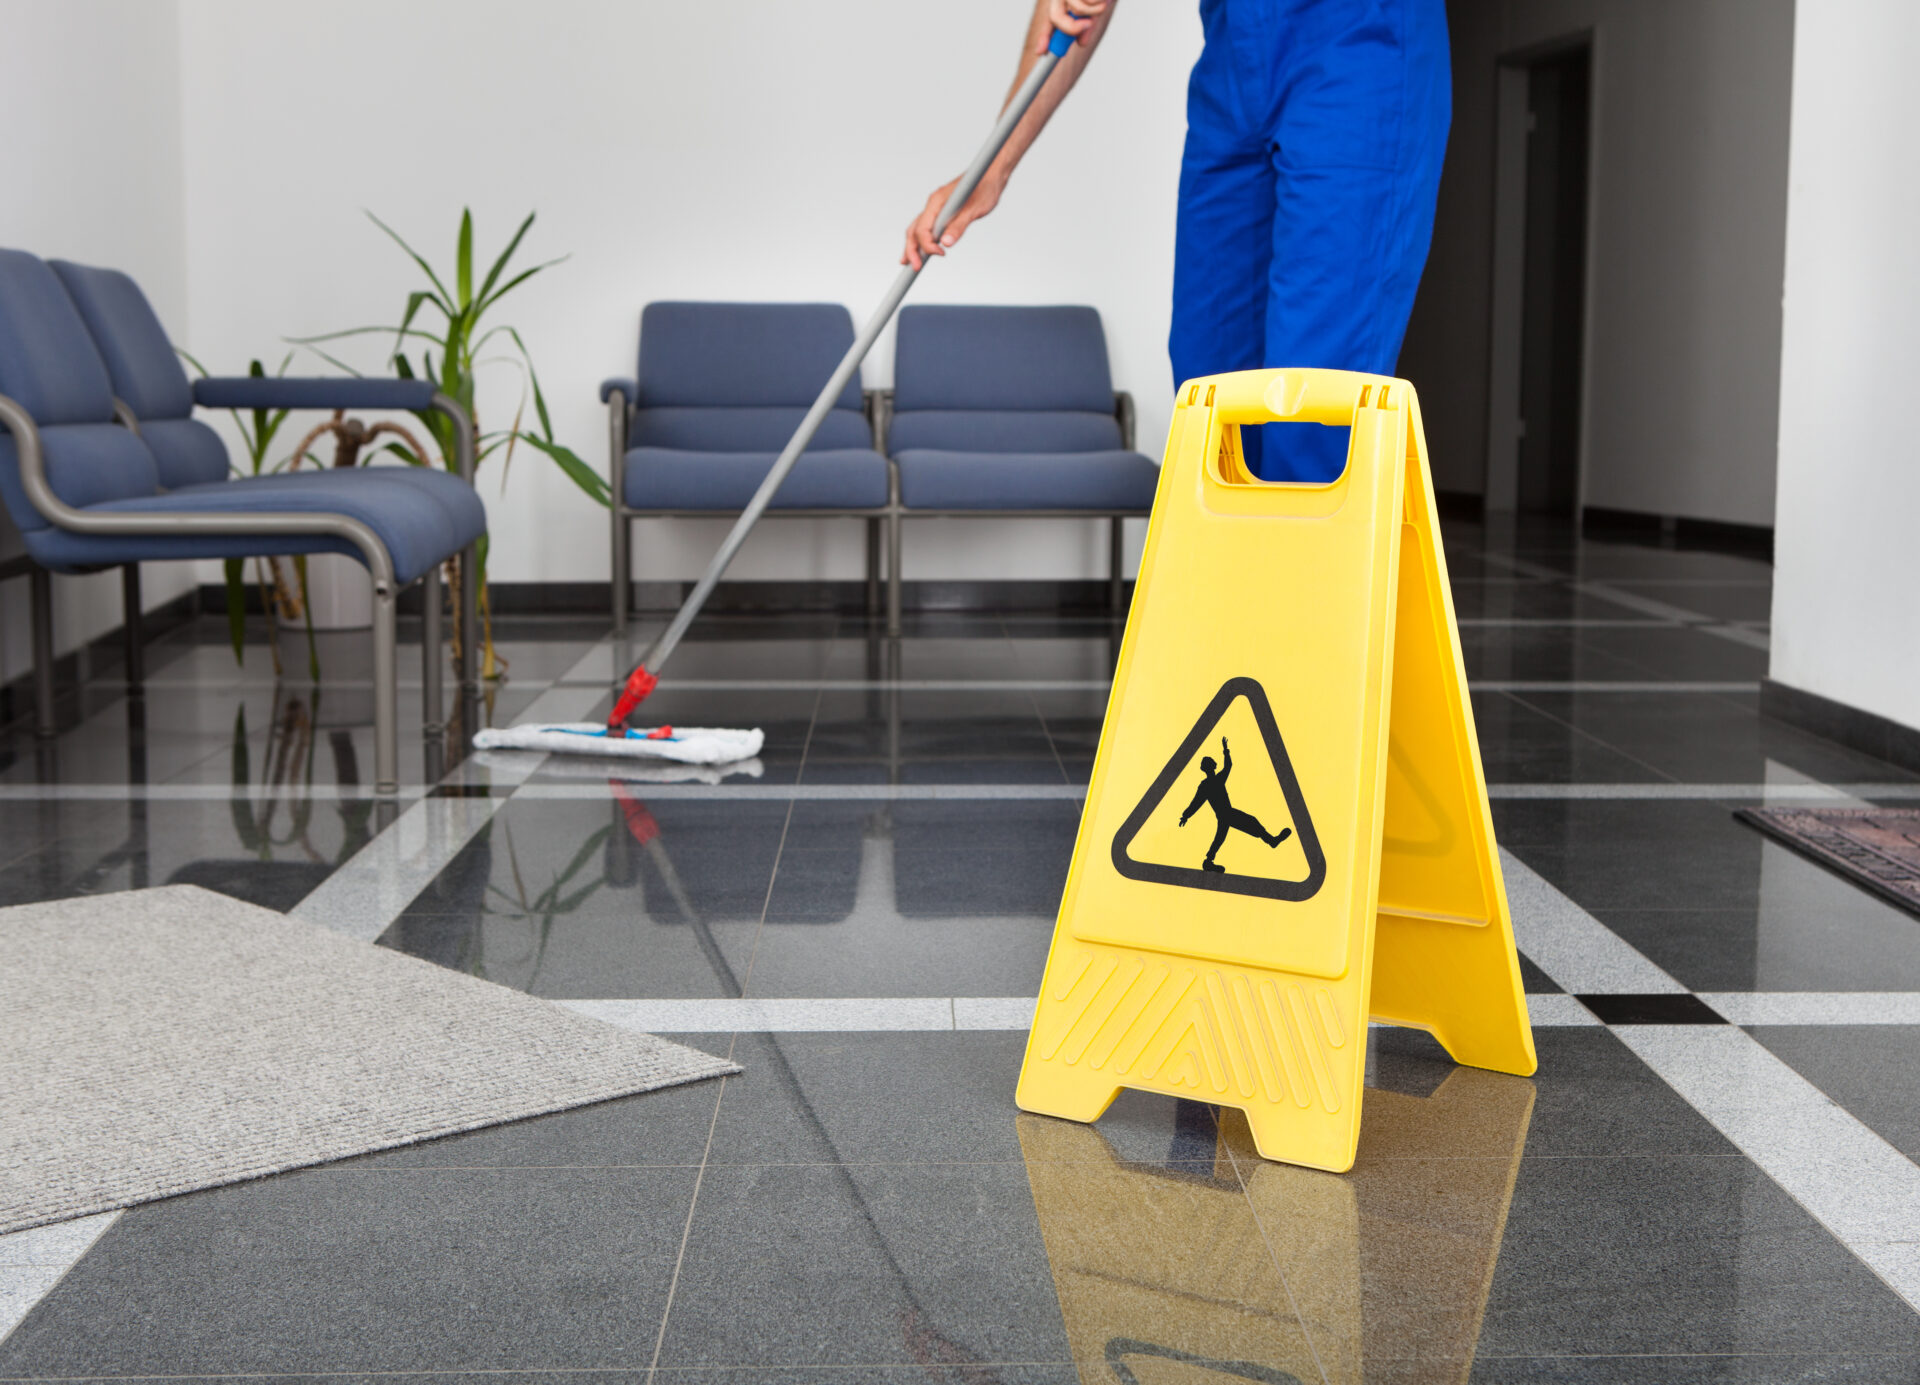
pixel 135 636
pixel 386 691
pixel 470 635
pixel 873 567
pixel 893 573
pixel 433 715
pixel 40 596
pixel 622 569
pixel 1116 541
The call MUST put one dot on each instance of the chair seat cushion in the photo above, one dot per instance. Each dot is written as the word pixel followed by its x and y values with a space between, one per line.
pixel 1002 430
pixel 1097 481
pixel 422 516
pixel 661 478
pixel 87 464
pixel 187 451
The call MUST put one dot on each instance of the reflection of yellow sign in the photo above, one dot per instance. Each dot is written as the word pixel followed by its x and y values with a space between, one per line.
pixel 1236 1269
pixel 1287 830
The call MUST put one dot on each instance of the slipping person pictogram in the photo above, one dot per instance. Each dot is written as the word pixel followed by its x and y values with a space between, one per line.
pixel 1213 793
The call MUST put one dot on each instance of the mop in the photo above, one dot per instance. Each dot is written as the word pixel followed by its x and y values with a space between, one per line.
pixel 708 745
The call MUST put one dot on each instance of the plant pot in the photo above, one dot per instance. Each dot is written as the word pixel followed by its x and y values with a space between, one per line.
pixel 339 590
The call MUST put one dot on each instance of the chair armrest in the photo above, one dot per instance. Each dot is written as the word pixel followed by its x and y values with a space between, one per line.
pixel 627 388
pixel 341 392
pixel 30 457
pixel 1123 410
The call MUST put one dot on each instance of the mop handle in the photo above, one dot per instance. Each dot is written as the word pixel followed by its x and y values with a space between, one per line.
pixel 662 648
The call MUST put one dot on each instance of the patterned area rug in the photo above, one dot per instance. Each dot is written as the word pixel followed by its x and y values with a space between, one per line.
pixel 1875 847
pixel 157 1041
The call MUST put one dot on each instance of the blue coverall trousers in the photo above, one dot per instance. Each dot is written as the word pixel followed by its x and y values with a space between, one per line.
pixel 1315 133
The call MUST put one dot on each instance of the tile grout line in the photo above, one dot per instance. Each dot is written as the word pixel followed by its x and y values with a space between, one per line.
pixel 686 1230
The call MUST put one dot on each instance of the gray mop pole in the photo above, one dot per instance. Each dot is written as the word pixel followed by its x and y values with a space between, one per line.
pixel 662 648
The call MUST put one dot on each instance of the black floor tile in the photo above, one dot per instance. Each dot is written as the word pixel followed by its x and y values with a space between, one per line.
pixel 1711 738
pixel 577 899
pixel 1668 1008
pixel 1715 904
pixel 953 897
pixel 1716 598
pixel 1681 652
pixel 1520 744
pixel 1540 653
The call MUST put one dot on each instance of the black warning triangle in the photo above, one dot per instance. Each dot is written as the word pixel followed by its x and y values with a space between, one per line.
pixel 1192 877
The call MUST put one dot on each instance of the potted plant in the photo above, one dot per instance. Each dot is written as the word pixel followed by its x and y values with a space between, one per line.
pixel 448 323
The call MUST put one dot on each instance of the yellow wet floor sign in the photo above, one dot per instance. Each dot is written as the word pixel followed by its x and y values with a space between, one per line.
pixel 1287 829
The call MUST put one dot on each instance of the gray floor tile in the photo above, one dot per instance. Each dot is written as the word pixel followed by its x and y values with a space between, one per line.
pixel 1781 1368
pixel 344 1271
pixel 864 1265
pixel 1871 1070
pixel 1652 1255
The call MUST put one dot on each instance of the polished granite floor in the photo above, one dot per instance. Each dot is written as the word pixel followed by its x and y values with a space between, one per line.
pixel 1711 1178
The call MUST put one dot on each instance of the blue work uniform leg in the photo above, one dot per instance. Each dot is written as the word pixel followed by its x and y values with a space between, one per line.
pixel 1349 105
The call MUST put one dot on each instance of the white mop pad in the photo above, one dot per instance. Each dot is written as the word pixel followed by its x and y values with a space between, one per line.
pixel 523 763
pixel 692 745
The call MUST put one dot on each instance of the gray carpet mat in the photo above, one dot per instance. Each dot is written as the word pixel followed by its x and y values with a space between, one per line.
pixel 157 1041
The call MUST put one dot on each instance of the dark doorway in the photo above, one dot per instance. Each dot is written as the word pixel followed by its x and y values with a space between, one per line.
pixel 1554 286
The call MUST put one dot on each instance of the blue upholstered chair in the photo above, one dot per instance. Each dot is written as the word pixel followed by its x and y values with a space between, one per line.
pixel 721 388
pixel 1011 412
pixel 101 465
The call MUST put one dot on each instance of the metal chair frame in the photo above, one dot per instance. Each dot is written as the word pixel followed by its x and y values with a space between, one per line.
pixel 386 757
pixel 879 410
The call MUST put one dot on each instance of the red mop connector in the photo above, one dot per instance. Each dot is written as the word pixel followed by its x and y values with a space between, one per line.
pixel 639 684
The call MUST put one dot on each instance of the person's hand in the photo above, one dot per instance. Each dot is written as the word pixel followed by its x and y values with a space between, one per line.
pixel 920 239
pixel 1073 17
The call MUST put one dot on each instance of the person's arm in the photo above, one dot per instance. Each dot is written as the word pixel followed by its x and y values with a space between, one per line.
pixel 1087 21
pixel 1226 759
pixel 1199 796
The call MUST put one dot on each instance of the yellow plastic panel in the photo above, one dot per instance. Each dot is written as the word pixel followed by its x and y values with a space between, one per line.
pixel 1217 932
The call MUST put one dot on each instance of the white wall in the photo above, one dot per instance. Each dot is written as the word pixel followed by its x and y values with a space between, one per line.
pixel 1686 246
pixel 1846 623
pixel 90 165
pixel 748 151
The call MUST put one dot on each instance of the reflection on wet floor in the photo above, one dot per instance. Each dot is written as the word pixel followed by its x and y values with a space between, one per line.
pixel 1211 1263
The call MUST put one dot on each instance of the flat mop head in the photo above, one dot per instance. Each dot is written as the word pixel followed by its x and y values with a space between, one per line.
pixel 691 745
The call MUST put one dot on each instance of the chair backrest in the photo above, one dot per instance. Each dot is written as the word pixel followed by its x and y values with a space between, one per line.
pixel 990 379
pixel 146 372
pixel 739 377
pixel 48 365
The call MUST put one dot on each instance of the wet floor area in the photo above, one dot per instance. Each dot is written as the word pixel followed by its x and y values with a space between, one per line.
pixel 1711 1177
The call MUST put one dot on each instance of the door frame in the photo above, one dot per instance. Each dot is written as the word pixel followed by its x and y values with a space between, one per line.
pixel 1506 296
